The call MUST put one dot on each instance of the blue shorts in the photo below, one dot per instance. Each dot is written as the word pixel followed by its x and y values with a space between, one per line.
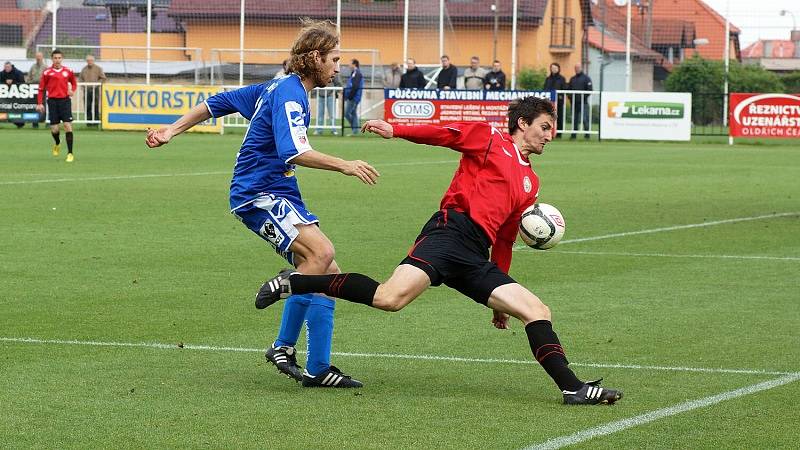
pixel 275 218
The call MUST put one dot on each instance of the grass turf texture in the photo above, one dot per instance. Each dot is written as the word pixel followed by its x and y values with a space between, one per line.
pixel 159 259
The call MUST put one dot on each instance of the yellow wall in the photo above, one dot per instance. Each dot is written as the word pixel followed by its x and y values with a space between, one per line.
pixel 140 40
pixel 461 42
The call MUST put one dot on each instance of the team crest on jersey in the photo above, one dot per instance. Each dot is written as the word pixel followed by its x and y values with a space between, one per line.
pixel 526 184
pixel 64 74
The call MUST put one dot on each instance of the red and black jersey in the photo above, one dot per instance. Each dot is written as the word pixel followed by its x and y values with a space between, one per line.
pixel 55 82
pixel 493 185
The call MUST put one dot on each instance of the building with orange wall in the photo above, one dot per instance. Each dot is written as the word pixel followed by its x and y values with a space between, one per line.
pixel 548 30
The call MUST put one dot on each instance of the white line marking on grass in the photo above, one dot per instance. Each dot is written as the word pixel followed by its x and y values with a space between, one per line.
pixel 668 255
pixel 191 174
pixel 161 346
pixel 651 416
pixel 680 227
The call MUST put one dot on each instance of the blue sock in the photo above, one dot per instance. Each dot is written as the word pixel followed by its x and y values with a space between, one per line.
pixel 294 313
pixel 319 320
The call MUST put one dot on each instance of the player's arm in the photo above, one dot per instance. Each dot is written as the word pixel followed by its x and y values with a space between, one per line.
pixel 291 142
pixel 464 137
pixel 72 83
pixel 501 255
pixel 318 160
pixel 40 94
pixel 157 138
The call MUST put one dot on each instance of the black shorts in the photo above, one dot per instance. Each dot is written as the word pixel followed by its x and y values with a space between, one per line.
pixel 59 110
pixel 454 251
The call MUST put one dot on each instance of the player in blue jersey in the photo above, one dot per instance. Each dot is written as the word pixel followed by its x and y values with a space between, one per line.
pixel 265 196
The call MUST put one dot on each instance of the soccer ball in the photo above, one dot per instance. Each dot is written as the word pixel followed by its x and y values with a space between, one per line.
pixel 542 226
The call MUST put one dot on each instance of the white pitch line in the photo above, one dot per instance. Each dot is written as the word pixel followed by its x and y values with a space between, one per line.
pixel 651 416
pixel 161 346
pixel 190 174
pixel 680 227
pixel 670 255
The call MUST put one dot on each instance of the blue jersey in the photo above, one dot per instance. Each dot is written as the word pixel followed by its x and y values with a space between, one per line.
pixel 279 116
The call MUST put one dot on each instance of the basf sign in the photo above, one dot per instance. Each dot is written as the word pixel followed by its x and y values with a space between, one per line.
pixel 765 115
pixel 649 116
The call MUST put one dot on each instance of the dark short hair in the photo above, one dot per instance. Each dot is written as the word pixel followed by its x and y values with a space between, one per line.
pixel 56 52
pixel 528 109
pixel 356 63
pixel 444 56
pixel 496 61
pixel 557 65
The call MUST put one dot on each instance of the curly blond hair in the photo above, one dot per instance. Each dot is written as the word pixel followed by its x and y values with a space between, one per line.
pixel 317 36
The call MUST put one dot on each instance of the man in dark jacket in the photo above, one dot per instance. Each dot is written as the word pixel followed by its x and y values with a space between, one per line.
pixel 448 76
pixel 556 82
pixel 580 102
pixel 352 96
pixel 496 79
pixel 10 76
pixel 413 78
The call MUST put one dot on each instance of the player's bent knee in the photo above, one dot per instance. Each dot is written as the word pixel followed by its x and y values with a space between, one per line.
pixel 387 300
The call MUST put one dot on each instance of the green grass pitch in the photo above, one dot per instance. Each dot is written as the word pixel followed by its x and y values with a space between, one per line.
pixel 127 248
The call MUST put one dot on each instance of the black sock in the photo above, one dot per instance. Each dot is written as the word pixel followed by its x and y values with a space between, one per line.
pixel 547 350
pixel 353 287
pixel 69 141
pixel 56 137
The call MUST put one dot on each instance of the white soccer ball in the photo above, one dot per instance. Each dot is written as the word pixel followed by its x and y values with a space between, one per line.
pixel 542 226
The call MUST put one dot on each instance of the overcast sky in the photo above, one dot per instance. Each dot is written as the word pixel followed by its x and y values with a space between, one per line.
pixel 759 19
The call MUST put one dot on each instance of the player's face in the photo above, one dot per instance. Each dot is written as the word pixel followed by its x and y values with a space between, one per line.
pixel 536 135
pixel 329 67
pixel 57 58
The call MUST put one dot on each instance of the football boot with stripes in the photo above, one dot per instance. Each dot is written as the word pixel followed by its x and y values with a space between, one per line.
pixel 274 289
pixel 591 394
pixel 285 359
pixel 331 378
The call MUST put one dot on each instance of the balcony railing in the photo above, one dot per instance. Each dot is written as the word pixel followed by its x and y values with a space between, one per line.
pixel 562 34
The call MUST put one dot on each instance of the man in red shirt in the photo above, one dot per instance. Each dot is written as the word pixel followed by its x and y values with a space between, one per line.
pixel 60 84
pixel 482 208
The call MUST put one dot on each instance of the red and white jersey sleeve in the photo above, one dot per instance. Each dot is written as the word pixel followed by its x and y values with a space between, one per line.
pixel 57 82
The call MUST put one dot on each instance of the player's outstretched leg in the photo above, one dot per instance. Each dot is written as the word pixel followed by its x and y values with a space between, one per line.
pixel 515 300
pixel 353 287
pixel 592 394
pixel 274 289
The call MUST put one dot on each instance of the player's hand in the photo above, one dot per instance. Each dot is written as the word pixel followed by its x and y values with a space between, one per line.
pixel 40 108
pixel 157 138
pixel 379 127
pixel 500 320
pixel 362 171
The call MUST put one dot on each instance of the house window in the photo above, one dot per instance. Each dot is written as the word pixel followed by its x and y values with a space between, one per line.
pixel 562 27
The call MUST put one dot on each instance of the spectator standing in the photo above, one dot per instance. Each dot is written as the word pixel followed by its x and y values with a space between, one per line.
pixel 92 73
pixel 326 101
pixel 474 75
pixel 352 96
pixel 413 78
pixel 392 76
pixel 556 82
pixel 496 78
pixel 580 102
pixel 11 76
pixel 448 77
pixel 35 74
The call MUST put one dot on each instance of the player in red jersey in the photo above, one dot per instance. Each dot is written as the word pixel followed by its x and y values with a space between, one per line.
pixel 482 208
pixel 60 84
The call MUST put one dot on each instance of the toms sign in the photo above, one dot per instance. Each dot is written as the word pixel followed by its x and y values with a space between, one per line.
pixel 413 109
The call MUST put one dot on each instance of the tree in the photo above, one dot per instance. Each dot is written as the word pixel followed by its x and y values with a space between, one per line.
pixel 531 79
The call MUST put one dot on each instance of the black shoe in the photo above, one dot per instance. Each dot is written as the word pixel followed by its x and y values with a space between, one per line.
pixel 285 359
pixel 332 377
pixel 274 289
pixel 591 394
